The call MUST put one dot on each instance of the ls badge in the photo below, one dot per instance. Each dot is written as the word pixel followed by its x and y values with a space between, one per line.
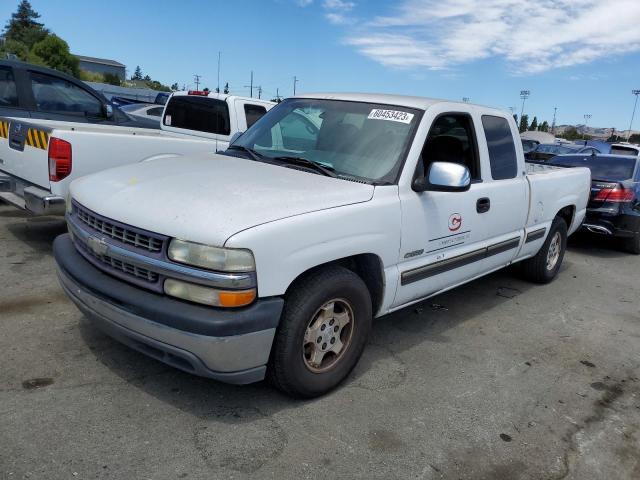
pixel 455 222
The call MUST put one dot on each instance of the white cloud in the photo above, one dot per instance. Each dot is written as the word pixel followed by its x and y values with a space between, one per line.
pixel 304 3
pixel 531 36
pixel 338 11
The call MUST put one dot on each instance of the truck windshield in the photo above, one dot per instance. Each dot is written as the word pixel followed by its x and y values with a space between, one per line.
pixel 604 168
pixel 352 139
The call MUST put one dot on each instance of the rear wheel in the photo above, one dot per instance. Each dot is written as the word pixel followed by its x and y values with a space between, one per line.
pixel 324 327
pixel 632 245
pixel 544 267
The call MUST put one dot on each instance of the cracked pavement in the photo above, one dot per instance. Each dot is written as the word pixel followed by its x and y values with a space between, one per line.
pixel 498 379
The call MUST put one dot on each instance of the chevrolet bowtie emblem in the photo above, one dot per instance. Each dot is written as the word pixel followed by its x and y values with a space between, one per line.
pixel 98 246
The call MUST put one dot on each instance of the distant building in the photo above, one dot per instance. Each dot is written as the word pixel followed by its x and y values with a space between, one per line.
pixel 102 65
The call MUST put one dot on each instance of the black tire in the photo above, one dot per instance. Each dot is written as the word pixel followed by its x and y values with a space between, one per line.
pixel 632 245
pixel 536 269
pixel 289 369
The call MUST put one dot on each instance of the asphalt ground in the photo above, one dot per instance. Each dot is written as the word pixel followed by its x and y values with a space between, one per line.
pixel 498 379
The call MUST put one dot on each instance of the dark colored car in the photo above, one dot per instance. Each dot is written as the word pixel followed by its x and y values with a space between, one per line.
pixel 30 91
pixel 529 145
pixel 614 204
pixel 545 151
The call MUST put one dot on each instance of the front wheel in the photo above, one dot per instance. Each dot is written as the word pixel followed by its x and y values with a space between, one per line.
pixel 324 327
pixel 544 267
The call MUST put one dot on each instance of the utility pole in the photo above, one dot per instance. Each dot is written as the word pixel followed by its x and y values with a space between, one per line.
pixel 196 79
pixel 250 86
pixel 524 94
pixel 278 95
pixel 295 81
pixel 636 93
pixel 259 92
pixel 553 124
pixel 218 89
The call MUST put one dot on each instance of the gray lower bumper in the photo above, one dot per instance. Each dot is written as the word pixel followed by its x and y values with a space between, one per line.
pixel 28 197
pixel 234 359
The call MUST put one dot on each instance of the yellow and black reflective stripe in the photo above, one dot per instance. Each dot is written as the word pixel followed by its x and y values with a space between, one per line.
pixel 37 138
pixel 4 129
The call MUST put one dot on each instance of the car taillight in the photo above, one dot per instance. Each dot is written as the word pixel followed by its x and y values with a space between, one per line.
pixel 615 194
pixel 201 93
pixel 59 159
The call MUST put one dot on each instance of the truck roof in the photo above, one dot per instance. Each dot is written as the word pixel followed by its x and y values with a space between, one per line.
pixel 401 100
pixel 223 96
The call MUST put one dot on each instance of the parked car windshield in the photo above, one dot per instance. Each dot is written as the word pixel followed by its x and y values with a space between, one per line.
pixel 353 139
pixel 606 168
pixel 557 149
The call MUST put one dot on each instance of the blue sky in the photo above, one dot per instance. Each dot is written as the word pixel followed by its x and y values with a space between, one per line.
pixel 579 55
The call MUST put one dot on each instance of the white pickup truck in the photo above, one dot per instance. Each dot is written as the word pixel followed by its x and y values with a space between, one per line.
pixel 40 158
pixel 331 210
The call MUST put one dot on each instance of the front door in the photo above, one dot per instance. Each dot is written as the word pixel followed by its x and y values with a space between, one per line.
pixel 444 234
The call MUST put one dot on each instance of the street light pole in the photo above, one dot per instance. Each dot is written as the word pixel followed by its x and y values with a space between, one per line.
pixel 586 122
pixel 524 94
pixel 635 104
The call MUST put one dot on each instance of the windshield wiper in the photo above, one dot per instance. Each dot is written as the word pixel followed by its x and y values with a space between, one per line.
pixel 324 169
pixel 255 155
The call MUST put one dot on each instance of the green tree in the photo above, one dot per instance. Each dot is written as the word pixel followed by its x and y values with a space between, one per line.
pixel 23 26
pixel 55 53
pixel 147 78
pixel 544 126
pixel 112 79
pixel 137 75
pixel 175 87
pixel 571 133
pixel 534 124
pixel 524 123
pixel 13 47
pixel 226 88
pixel 635 138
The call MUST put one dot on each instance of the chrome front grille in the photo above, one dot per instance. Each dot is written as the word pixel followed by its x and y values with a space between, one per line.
pixel 118 232
pixel 124 267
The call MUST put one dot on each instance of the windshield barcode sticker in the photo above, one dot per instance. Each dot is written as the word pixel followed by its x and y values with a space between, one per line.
pixel 391 115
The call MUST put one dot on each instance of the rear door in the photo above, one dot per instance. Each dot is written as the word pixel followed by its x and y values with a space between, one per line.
pixel 507 192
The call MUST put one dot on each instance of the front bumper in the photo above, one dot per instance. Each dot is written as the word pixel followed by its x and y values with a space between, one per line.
pixel 231 346
pixel 29 197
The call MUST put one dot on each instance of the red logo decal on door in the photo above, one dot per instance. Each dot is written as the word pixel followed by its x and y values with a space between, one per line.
pixel 455 222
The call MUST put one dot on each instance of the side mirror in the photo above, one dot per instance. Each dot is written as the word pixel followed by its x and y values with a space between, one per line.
pixel 235 137
pixel 444 177
pixel 108 110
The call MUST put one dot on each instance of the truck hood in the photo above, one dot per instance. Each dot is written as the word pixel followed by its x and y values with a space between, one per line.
pixel 207 198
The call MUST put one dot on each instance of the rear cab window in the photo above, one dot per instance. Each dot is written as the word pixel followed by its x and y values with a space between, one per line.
pixel 604 168
pixel 502 150
pixel 202 114
pixel 57 95
pixel 253 113
pixel 8 91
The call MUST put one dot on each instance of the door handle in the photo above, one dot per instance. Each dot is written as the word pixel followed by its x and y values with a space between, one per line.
pixel 483 205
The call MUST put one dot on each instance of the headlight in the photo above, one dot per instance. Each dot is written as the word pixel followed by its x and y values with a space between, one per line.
pixel 208 295
pixel 211 258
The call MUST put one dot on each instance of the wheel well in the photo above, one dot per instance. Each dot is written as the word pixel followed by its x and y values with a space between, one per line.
pixel 567 214
pixel 367 266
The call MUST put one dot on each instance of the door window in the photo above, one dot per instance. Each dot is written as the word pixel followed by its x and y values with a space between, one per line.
pixel 253 113
pixel 8 93
pixel 155 111
pixel 452 139
pixel 502 151
pixel 56 95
